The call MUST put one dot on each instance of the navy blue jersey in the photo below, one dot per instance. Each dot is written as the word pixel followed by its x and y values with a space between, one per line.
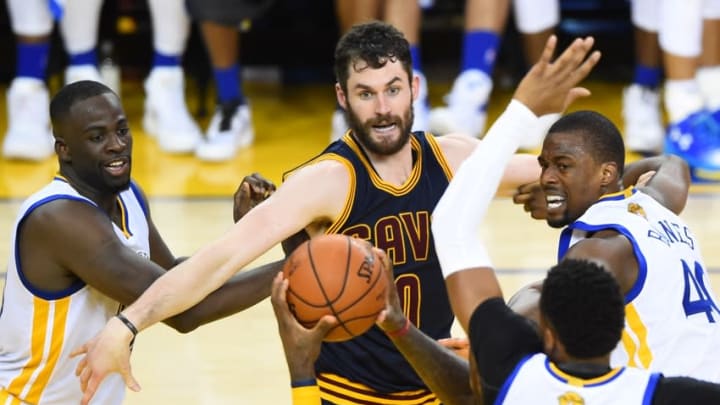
pixel 397 220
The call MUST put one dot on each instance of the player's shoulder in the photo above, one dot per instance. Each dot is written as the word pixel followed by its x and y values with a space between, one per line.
pixel 326 165
pixel 456 147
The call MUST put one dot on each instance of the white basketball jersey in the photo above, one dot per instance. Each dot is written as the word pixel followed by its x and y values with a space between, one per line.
pixel 538 381
pixel 38 330
pixel 672 320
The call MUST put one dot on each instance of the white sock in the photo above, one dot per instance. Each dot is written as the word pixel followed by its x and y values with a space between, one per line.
pixel 171 26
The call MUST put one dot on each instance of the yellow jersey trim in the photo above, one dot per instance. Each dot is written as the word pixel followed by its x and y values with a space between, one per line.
pixel 626 193
pixel 7 399
pixel 580 382
pixel 349 198
pixel 381 184
pixel 342 391
pixel 439 155
pixel 44 355
pixel 639 351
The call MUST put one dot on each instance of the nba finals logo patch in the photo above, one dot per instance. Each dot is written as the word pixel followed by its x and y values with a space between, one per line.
pixel 637 209
pixel 571 398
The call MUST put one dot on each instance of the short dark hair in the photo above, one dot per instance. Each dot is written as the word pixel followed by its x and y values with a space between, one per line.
pixel 602 137
pixel 582 302
pixel 71 94
pixel 374 44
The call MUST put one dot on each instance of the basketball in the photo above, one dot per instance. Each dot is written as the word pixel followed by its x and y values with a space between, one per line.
pixel 336 275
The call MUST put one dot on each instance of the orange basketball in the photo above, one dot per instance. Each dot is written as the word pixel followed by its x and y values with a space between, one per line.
pixel 336 275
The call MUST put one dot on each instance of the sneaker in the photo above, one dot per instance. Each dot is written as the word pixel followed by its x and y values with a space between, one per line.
pixel 76 73
pixel 643 124
pixel 339 125
pixel 697 140
pixel 166 117
pixel 421 107
pixel 28 136
pixel 230 129
pixel 466 103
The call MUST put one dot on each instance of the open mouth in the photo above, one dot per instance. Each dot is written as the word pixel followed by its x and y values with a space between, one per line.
pixel 385 128
pixel 554 202
pixel 117 167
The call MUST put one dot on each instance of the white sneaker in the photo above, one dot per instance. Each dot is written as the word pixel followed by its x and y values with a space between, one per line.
pixel 76 73
pixel 421 107
pixel 465 111
pixel 230 129
pixel 166 115
pixel 643 124
pixel 339 125
pixel 28 136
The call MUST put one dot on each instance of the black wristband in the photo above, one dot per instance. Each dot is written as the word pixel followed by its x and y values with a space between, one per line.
pixel 129 325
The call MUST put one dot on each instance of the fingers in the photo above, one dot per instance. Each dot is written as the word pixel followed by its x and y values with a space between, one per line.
pixel 382 256
pixel 81 366
pixel 324 325
pixel 90 387
pixel 521 198
pixel 382 316
pixel 589 63
pixel 130 381
pixel 548 51
pixel 260 185
pixel 645 178
pixel 573 56
pixel 574 94
pixel 80 350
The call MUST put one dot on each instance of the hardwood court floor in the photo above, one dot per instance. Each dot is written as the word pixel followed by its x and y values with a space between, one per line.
pixel 239 360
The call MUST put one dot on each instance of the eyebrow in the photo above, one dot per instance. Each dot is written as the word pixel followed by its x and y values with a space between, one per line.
pixel 364 86
pixel 121 121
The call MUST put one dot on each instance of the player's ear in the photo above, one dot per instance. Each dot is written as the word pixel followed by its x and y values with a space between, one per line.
pixel 609 173
pixel 340 95
pixel 62 149
pixel 415 85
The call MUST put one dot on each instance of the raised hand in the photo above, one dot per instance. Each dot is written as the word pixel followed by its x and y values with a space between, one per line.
pixel 549 86
pixel 253 190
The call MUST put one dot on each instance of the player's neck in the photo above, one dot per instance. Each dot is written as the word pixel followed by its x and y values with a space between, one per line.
pixel 585 367
pixel 106 201
pixel 396 168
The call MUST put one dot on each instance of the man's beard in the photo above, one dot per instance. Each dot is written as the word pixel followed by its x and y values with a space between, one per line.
pixel 362 131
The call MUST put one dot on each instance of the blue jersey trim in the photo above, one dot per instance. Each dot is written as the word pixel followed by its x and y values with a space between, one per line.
pixel 650 389
pixel 509 380
pixel 139 196
pixel 48 295
pixel 642 263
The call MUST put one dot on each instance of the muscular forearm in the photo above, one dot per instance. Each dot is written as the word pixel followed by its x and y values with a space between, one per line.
pixel 239 293
pixel 444 372
pixel 183 286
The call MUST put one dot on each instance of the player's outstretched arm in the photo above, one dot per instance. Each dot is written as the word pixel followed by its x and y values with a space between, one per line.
pixel 278 217
pixel 444 372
